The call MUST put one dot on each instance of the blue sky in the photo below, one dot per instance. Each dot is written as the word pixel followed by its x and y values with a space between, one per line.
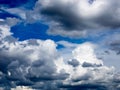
pixel 59 44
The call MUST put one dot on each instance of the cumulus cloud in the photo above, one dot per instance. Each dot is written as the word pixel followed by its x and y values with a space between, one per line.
pixel 85 70
pixel 80 54
pixel 76 18
pixel 37 64
pixel 23 63
pixel 39 67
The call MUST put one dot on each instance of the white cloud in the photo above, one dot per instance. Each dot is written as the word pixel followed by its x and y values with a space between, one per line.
pixel 4 31
pixel 17 11
pixel 40 61
pixel 5 26
pixel 67 44
pixel 85 53
pixel 82 75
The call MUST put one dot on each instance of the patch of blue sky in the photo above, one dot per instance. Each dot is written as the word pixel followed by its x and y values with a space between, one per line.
pixel 38 31
pixel 28 4
pixel 12 3
pixel 24 31
pixel 60 46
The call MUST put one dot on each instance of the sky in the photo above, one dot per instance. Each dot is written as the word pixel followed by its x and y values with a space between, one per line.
pixel 59 44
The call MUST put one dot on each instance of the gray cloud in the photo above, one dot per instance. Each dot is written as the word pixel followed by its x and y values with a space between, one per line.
pixel 86 87
pixel 73 62
pixel 85 64
pixel 114 42
pixel 79 18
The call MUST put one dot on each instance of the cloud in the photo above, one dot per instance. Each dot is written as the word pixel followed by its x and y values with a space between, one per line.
pixel 89 74
pixel 108 49
pixel 114 43
pixel 70 18
pixel 37 64
pixel 85 64
pixel 25 64
pixel 67 44
pixel 80 54
pixel 28 63
pixel 73 62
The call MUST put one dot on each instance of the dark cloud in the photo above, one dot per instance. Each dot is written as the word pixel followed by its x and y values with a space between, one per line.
pixel 72 17
pixel 74 62
pixel 86 87
pixel 67 20
pixel 115 45
pixel 86 64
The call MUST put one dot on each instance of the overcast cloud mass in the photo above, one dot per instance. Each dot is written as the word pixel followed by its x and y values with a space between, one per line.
pixel 59 45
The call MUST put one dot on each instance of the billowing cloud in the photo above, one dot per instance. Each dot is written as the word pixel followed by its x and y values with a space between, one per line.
pixel 76 18
pixel 86 71
pixel 27 62
pixel 39 67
